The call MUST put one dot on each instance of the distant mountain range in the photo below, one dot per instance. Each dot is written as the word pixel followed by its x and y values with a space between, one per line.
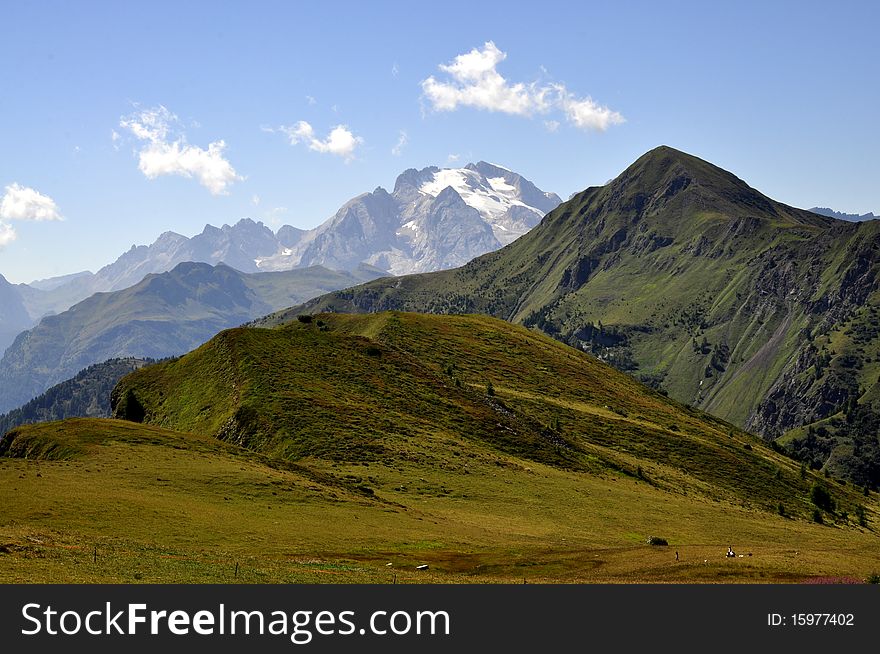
pixel 14 316
pixel 163 315
pixel 852 217
pixel 681 274
pixel 435 219
pixel 86 395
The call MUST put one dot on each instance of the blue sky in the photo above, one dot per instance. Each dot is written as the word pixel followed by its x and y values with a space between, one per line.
pixel 785 95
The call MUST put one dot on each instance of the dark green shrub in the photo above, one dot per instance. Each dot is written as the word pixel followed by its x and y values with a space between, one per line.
pixel 822 498
pixel 817 516
pixel 656 540
pixel 304 318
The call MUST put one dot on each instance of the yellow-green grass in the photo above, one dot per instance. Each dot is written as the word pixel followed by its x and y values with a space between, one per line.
pixel 110 501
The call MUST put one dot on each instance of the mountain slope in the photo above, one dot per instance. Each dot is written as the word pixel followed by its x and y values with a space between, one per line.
pixel 377 439
pixel 163 315
pixel 375 387
pixel 683 275
pixel 192 509
pixel 14 317
pixel 85 395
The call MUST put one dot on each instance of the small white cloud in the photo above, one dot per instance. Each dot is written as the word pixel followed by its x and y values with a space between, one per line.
pixel 551 125
pixel 7 234
pixel 335 108
pixel 585 113
pixel 255 200
pixel 311 100
pixel 341 141
pixel 166 153
pixel 24 203
pixel 474 81
pixel 395 71
pixel 452 158
pixel 402 140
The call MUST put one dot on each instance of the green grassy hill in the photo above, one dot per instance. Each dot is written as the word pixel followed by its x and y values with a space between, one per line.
pixel 682 275
pixel 408 386
pixel 323 450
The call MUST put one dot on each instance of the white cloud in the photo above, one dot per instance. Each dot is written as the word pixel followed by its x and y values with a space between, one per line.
pixel 395 71
pixel 585 113
pixel 255 200
pixel 167 153
pixel 341 141
pixel 402 140
pixel 24 203
pixel 474 81
pixel 311 100
pixel 551 125
pixel 7 234
pixel 452 158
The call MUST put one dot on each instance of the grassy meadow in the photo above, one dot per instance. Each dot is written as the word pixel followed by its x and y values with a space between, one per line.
pixel 484 450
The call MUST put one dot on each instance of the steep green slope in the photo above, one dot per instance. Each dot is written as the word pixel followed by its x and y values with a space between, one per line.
pixel 163 315
pixel 86 395
pixel 681 274
pixel 396 387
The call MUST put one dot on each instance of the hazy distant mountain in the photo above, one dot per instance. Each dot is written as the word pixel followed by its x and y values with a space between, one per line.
pixel 163 315
pixel 87 395
pixel 852 217
pixel 238 246
pixel 14 316
pixel 434 219
pixel 52 283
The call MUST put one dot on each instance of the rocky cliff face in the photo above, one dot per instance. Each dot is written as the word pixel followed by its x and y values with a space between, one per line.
pixel 434 219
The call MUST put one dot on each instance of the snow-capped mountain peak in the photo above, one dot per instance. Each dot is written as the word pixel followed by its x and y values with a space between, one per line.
pixel 491 196
pixel 435 218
